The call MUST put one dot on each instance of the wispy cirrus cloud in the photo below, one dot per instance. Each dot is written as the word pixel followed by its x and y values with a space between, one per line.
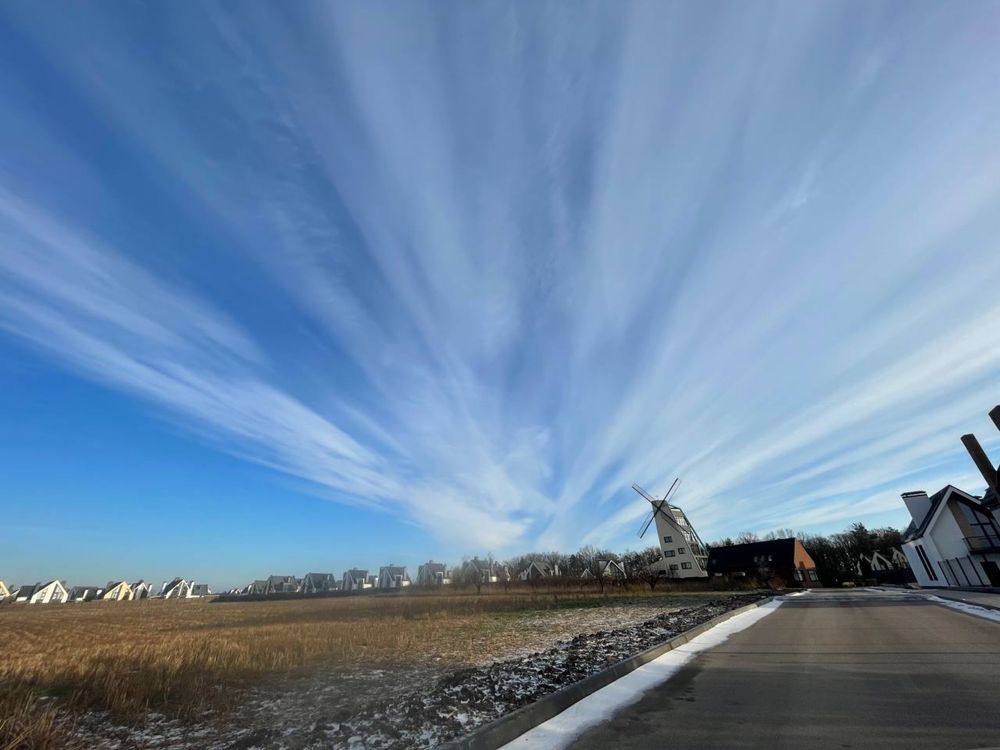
pixel 488 268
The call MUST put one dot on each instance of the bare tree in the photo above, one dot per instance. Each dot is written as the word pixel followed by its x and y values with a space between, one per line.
pixel 746 537
pixel 644 566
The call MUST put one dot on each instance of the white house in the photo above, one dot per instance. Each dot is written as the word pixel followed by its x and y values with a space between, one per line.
pixel 954 539
pixel 684 555
pixel 141 590
pixel 284 584
pixel 432 574
pixel 52 592
pixel 487 571
pixel 538 569
pixel 611 570
pixel 357 579
pixel 259 587
pixel 4 591
pixel 393 577
pixel 318 583
pixel 175 589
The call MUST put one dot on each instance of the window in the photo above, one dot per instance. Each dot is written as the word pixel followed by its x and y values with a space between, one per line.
pixel 798 575
pixel 680 550
pixel 668 539
pixel 686 566
pixel 926 563
pixel 668 553
pixel 673 566
pixel 813 576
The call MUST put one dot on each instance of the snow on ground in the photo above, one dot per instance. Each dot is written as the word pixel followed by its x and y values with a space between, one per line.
pixel 422 706
pixel 969 609
pixel 473 697
pixel 601 705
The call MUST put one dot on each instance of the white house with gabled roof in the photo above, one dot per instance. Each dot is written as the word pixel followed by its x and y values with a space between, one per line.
pixel 53 592
pixel 953 539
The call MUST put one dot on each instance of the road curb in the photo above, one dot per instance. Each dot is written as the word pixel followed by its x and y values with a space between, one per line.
pixel 511 726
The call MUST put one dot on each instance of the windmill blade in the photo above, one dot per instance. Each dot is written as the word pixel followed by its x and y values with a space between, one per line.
pixel 645 494
pixel 658 505
pixel 670 493
pixel 645 525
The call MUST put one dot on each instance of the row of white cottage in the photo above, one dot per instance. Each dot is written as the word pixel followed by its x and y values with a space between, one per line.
pixel 395 576
pixel 356 579
pixel 56 592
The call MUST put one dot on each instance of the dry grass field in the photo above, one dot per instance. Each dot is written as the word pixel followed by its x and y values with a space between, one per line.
pixel 184 658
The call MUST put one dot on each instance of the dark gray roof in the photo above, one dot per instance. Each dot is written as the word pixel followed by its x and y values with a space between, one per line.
pixel 990 500
pixel 915 531
pixel 395 570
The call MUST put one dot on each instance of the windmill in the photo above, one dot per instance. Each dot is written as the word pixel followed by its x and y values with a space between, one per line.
pixel 658 505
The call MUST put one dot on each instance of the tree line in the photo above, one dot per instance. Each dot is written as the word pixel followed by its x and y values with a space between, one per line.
pixel 836 557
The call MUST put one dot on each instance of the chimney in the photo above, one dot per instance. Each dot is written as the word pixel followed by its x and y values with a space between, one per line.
pixel 918 504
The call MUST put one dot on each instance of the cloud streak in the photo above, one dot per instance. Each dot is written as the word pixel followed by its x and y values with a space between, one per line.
pixel 488 268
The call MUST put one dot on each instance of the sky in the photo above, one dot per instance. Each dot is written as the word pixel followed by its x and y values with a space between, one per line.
pixel 291 287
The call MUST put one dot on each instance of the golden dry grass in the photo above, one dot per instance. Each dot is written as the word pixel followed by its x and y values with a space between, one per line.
pixel 181 658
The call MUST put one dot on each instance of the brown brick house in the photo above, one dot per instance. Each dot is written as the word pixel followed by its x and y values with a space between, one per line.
pixel 786 559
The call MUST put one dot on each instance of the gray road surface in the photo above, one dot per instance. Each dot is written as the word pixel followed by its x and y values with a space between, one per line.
pixel 829 670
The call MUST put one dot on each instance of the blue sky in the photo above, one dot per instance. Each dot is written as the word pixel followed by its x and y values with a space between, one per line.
pixel 290 287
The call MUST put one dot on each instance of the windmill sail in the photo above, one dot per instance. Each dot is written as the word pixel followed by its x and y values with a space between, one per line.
pixel 658 505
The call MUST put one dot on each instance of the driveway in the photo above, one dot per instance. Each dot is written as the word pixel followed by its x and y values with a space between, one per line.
pixel 853 669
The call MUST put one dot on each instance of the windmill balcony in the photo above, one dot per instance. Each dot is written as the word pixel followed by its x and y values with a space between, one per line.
pixel 981 544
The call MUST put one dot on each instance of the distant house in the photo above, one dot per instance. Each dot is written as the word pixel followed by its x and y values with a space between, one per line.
pixel 487 571
pixel 118 591
pixel 318 583
pixel 53 592
pixel 432 574
pixel 954 539
pixel 878 561
pixel 538 569
pixel 257 588
pixel 786 559
pixel 85 593
pixel 898 559
pixel 611 570
pixel 22 593
pixel 393 577
pixel 4 591
pixel 175 589
pixel 357 579
pixel 284 584
pixel 141 590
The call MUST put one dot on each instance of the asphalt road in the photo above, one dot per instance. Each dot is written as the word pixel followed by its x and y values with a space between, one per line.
pixel 829 670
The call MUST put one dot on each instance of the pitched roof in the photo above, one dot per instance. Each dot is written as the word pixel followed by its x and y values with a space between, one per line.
pixel 915 531
pixel 394 570
pixel 434 567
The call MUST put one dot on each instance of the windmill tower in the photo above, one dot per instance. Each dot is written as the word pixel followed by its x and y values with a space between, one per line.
pixel 683 554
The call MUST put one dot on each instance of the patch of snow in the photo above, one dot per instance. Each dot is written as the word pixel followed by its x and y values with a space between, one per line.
pixel 969 609
pixel 560 730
